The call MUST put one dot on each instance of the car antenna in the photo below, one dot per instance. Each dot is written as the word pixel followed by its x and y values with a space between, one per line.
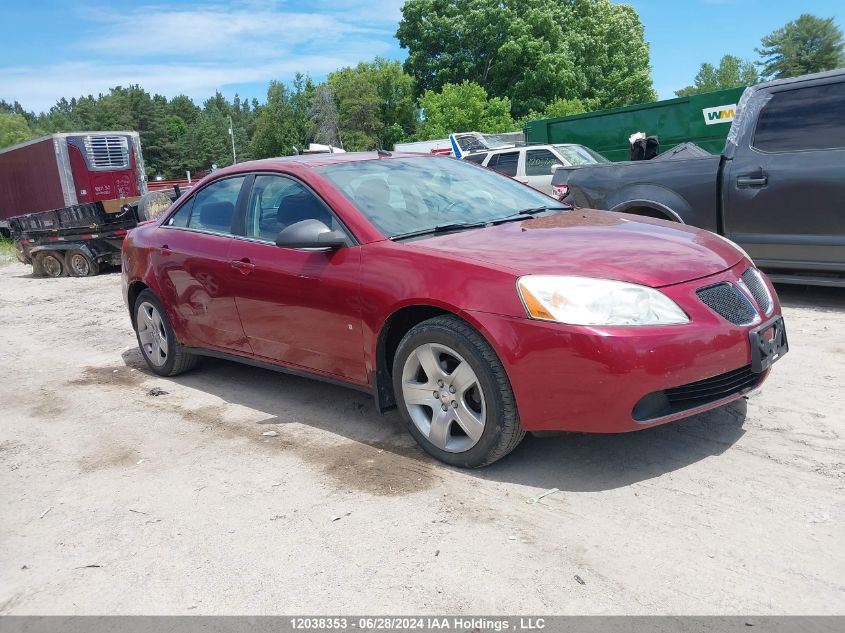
pixel 383 153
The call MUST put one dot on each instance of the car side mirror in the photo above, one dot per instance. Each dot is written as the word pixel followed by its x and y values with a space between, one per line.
pixel 556 166
pixel 310 234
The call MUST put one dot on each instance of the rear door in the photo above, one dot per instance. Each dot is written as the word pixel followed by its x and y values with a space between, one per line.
pixel 784 187
pixel 300 307
pixel 506 163
pixel 194 267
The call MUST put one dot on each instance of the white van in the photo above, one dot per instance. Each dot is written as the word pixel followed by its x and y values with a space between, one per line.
pixel 533 164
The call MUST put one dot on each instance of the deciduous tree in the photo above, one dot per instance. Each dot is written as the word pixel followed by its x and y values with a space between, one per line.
pixel 462 107
pixel 531 51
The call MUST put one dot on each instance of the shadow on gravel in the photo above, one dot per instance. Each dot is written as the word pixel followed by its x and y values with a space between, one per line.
pixel 817 297
pixel 570 462
pixel 585 463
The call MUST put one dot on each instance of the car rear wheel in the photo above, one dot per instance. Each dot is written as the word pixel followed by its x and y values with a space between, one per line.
pixel 453 392
pixel 159 347
pixel 79 264
pixel 51 263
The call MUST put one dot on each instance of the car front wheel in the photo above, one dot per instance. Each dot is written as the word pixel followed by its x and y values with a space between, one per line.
pixel 454 394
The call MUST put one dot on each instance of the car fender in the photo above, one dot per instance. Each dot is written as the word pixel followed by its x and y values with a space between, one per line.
pixel 655 197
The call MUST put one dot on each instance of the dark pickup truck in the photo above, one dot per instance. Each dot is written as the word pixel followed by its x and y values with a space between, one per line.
pixel 777 189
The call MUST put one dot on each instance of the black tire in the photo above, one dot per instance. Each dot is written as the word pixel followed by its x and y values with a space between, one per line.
pixel 51 263
pixel 178 359
pixel 502 431
pixel 79 264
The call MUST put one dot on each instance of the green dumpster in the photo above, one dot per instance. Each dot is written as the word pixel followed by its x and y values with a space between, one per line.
pixel 703 119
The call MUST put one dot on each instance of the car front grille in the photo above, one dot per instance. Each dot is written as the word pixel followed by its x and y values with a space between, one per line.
pixel 728 301
pixel 695 394
pixel 754 280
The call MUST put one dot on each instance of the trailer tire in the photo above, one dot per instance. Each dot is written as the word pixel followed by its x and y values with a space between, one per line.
pixel 50 263
pixel 79 264
pixel 152 204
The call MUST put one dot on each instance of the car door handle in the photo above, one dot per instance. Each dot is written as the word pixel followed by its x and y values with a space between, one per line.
pixel 165 250
pixel 243 265
pixel 752 181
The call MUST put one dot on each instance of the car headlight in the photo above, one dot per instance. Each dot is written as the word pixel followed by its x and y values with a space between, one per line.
pixel 588 301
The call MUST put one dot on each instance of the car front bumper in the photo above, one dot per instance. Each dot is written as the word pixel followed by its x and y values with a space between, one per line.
pixel 616 379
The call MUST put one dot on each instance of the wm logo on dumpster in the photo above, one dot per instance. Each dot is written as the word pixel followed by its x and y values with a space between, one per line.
pixel 719 114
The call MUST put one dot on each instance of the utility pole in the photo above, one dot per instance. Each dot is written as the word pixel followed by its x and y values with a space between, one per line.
pixel 232 134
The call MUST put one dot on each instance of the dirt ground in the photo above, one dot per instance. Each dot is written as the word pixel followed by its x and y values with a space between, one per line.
pixel 116 500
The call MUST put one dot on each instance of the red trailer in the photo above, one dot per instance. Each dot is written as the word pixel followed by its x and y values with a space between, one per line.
pixel 62 170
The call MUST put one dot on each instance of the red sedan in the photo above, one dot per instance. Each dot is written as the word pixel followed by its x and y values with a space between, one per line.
pixel 478 306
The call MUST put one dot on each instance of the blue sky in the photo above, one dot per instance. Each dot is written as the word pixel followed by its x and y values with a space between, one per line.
pixel 50 49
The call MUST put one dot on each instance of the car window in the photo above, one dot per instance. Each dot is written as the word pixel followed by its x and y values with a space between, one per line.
pixel 476 158
pixel 212 208
pixel 505 163
pixel 276 202
pixel 469 143
pixel 538 162
pixel 580 155
pixel 803 119
pixel 402 195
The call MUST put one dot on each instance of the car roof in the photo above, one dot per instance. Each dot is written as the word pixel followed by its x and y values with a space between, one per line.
pixel 518 148
pixel 320 160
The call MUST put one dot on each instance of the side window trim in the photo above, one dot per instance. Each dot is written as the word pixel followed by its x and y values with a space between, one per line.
pixel 773 93
pixel 165 224
pixel 246 193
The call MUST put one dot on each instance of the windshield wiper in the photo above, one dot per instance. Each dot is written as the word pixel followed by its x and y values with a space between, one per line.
pixel 440 228
pixel 519 215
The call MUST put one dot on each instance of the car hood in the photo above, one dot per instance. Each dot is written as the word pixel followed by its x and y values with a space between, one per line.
pixel 592 243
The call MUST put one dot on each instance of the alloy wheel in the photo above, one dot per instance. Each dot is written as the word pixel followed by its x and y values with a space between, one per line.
pixel 444 397
pixel 151 333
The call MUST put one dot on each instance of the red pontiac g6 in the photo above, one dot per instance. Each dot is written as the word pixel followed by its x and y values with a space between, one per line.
pixel 478 306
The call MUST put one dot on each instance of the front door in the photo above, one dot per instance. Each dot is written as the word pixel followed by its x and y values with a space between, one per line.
pixel 784 193
pixel 194 265
pixel 299 307
pixel 538 169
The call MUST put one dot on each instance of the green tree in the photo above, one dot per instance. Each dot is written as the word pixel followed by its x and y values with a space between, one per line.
pixel 807 45
pixel 557 108
pixel 462 107
pixel 282 123
pixel 531 51
pixel 375 103
pixel 13 129
pixel 732 72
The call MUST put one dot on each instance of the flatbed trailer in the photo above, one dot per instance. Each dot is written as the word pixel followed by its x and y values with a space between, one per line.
pixel 82 239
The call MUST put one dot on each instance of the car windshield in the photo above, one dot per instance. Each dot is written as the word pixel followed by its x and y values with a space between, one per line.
pixel 580 155
pixel 408 195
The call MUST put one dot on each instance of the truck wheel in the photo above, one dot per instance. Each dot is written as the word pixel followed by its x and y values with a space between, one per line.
pixel 164 354
pixel 152 204
pixel 79 264
pixel 454 394
pixel 51 263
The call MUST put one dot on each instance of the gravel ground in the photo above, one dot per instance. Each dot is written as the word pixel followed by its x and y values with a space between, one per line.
pixel 122 492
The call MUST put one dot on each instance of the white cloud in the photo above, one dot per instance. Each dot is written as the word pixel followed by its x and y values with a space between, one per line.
pixel 197 50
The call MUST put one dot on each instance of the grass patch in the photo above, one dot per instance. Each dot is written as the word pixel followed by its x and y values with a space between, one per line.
pixel 7 251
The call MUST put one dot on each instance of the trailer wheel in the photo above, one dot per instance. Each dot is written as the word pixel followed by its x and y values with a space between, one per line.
pixel 79 264
pixel 51 263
